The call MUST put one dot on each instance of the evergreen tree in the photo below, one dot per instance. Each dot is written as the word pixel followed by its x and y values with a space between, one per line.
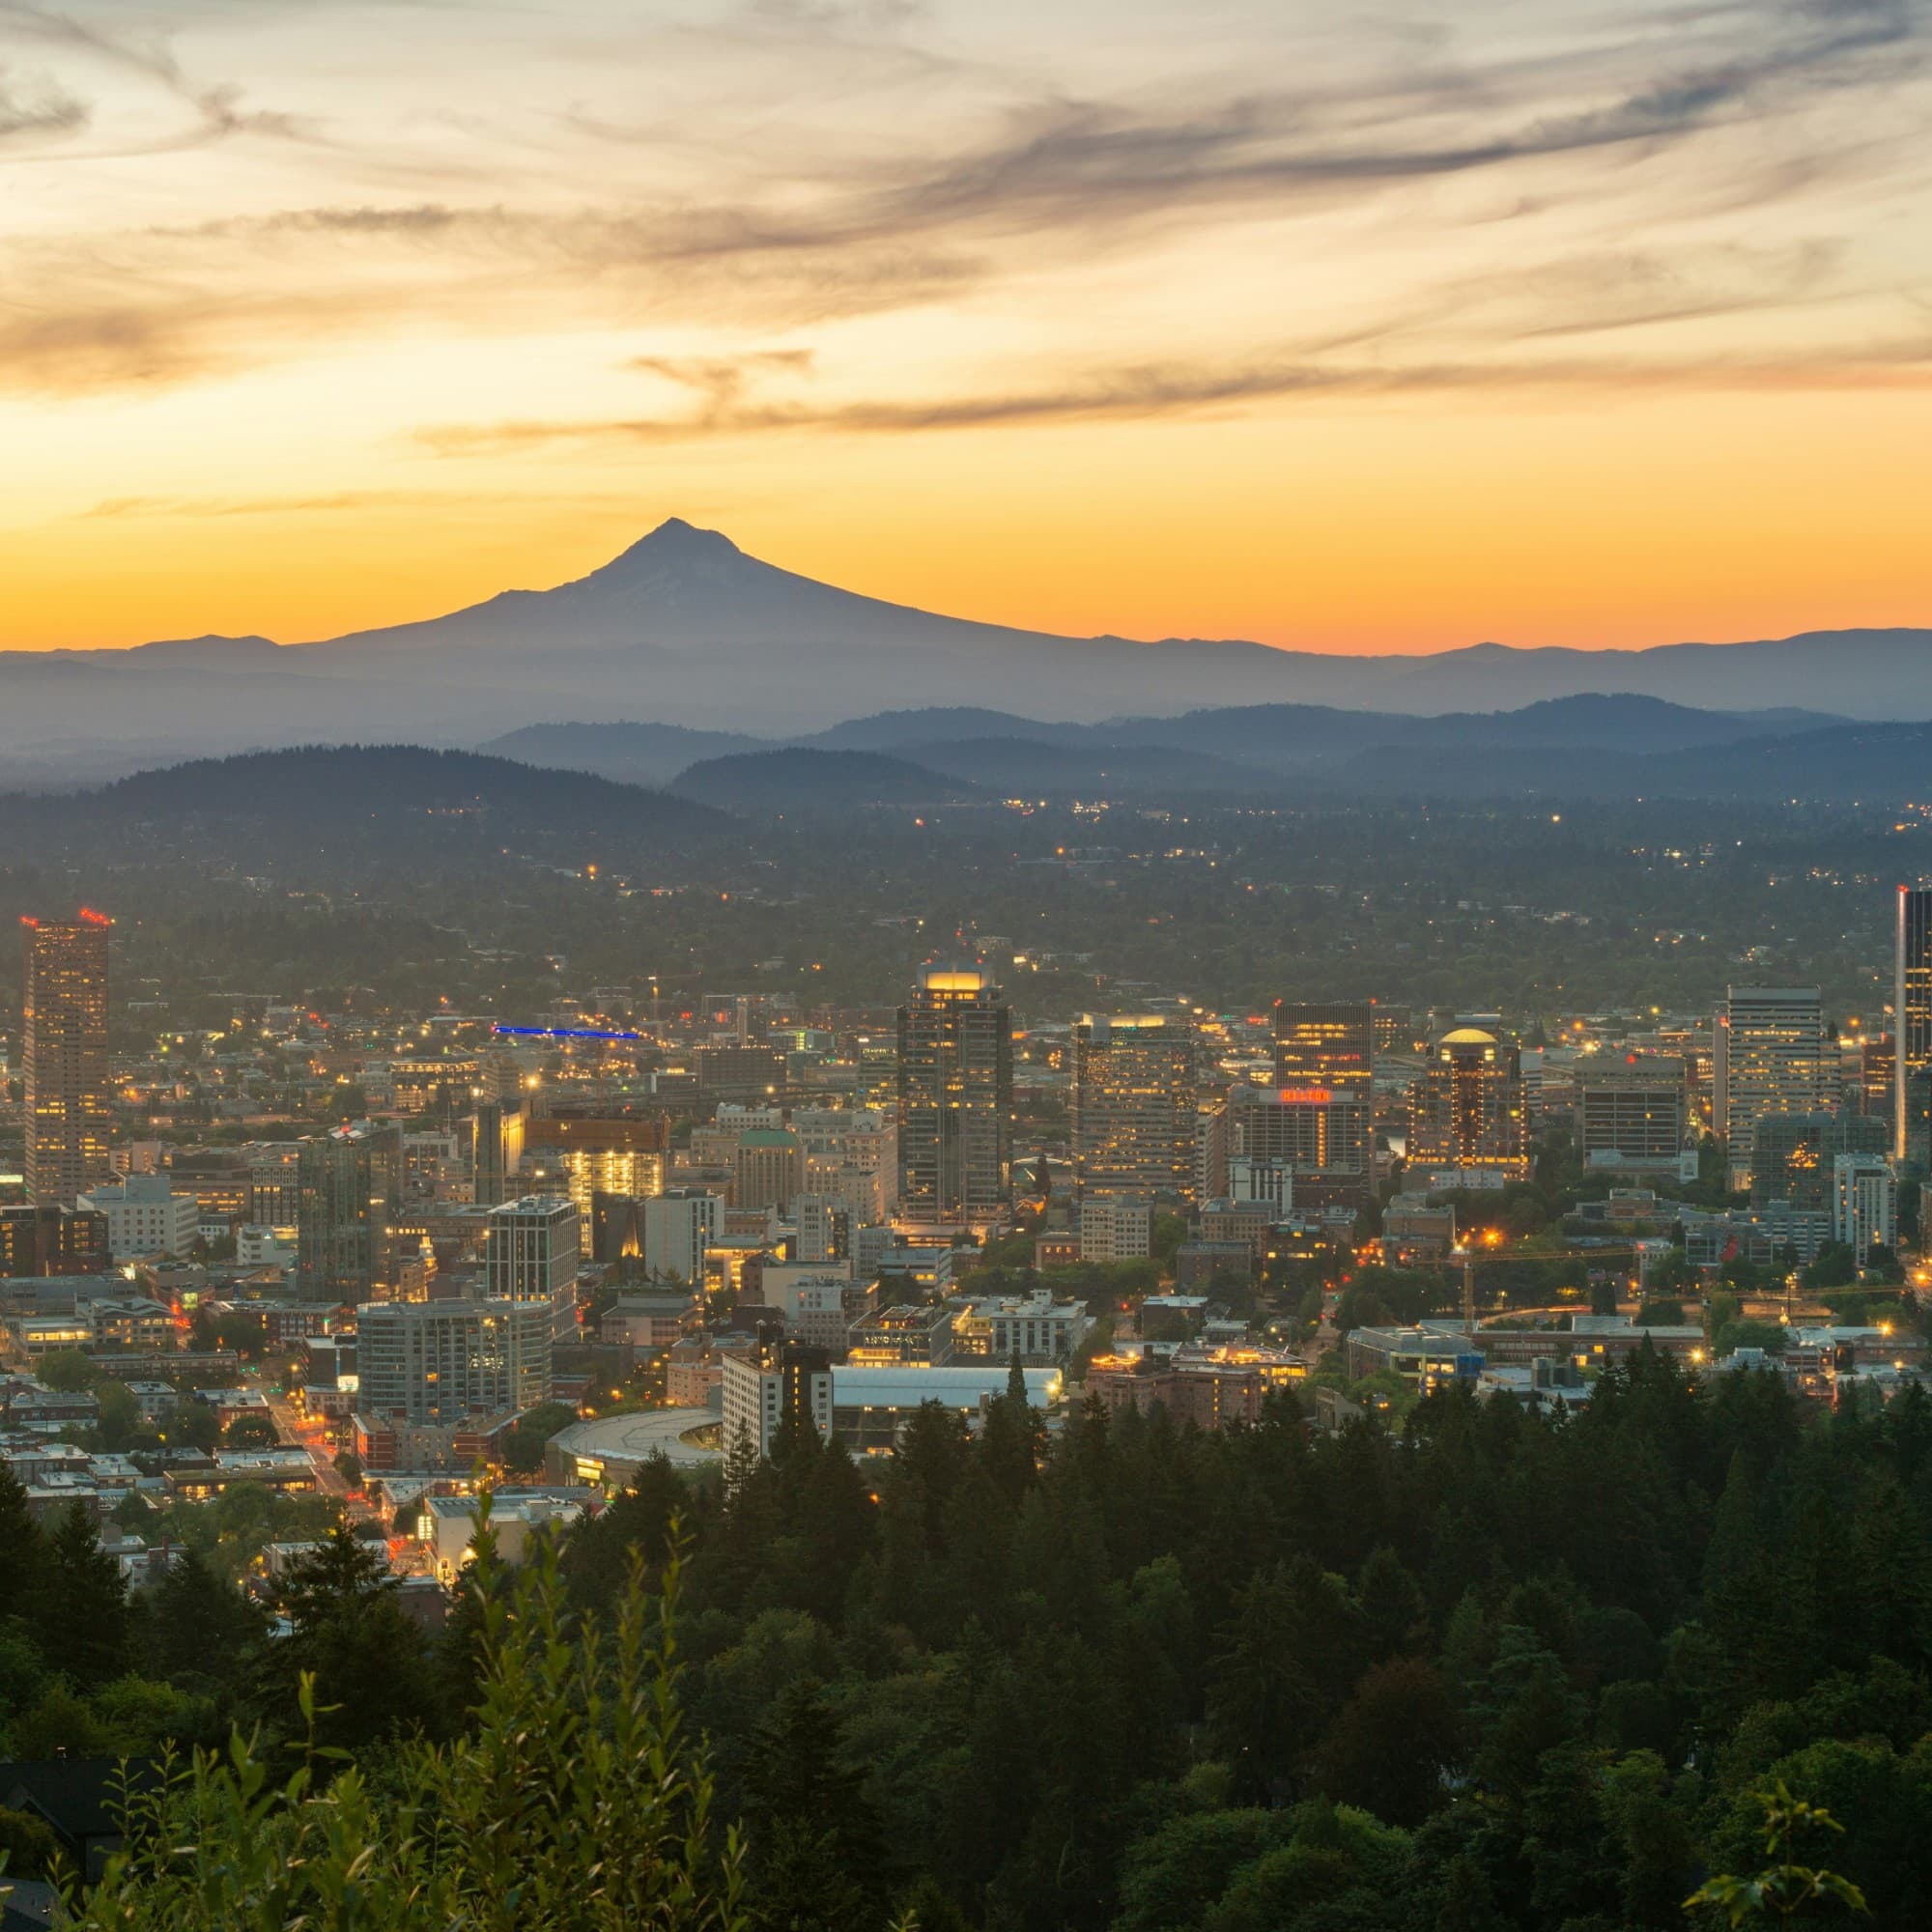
pixel 194 1624
pixel 25 1547
pixel 82 1612
pixel 1010 1445
pixel 1264 1700
pixel 1395 1617
pixel 1393 1745
pixel 813 1839
pixel 367 1659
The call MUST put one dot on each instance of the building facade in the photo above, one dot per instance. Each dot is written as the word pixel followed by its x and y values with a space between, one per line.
pixel 1466 1110
pixel 1911 1026
pixel 768 1169
pixel 1794 1156
pixel 583 1154
pixel 1135 1102
pixel 1633 1113
pixel 1864 1204
pixel 1330 1048
pixel 349 1194
pixel 677 1227
pixel 438 1362
pixel 531 1250
pixel 1115 1228
pixel 1769 1059
pixel 64 1056
pixel 764 1385
pixel 1308 1129
pixel 144 1216
pixel 955 1087
pixel 824 1228
pixel 51 1239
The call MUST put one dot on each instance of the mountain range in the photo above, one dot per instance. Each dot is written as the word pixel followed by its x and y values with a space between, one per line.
pixel 1571 748
pixel 684 629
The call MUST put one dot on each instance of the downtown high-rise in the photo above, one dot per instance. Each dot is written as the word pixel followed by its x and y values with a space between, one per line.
pixel 349 1194
pixel 64 1041
pixel 1466 1110
pixel 1911 1026
pixel 1769 1059
pixel 956 1090
pixel 1323 1052
pixel 1135 1105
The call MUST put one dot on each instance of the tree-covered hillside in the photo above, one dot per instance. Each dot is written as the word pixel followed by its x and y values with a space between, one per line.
pixel 1497 1671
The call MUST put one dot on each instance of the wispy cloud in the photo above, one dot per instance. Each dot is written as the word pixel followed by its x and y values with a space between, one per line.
pixel 771 223
pixel 336 502
pixel 38 107
pixel 1137 392
pixel 214 109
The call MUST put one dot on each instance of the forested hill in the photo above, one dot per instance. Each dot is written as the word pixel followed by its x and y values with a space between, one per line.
pixel 792 779
pixel 1496 1674
pixel 378 798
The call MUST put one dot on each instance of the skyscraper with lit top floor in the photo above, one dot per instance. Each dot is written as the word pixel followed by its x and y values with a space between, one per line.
pixel 1135 1098
pixel 955 1093
pixel 1912 1028
pixel 64 1061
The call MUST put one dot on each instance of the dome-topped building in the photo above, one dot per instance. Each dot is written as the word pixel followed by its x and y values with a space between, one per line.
pixel 1467 1109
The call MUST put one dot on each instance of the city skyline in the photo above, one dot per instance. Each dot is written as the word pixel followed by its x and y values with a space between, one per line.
pixel 975 965
pixel 1339 334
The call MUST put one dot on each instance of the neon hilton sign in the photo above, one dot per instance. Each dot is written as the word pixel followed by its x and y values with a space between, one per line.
pixel 1304 1097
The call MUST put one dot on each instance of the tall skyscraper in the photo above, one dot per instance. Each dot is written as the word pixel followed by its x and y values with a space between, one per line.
pixel 955 1086
pixel 349 1193
pixel 64 1041
pixel 530 1253
pixel 1912 1025
pixel 1467 1107
pixel 1769 1059
pixel 1329 1049
pixel 1134 1105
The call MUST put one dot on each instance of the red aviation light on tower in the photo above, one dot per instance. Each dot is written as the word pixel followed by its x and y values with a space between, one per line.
pixel 27 919
pixel 88 917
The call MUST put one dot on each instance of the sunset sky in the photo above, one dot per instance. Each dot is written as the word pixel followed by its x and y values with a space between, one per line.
pixel 1554 321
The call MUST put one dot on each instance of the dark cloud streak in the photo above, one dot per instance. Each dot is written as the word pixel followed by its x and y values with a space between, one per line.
pixel 41 110
pixel 1141 391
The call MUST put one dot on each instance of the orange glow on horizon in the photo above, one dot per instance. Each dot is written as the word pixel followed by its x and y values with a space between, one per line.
pixel 1073 531
pixel 1204 322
